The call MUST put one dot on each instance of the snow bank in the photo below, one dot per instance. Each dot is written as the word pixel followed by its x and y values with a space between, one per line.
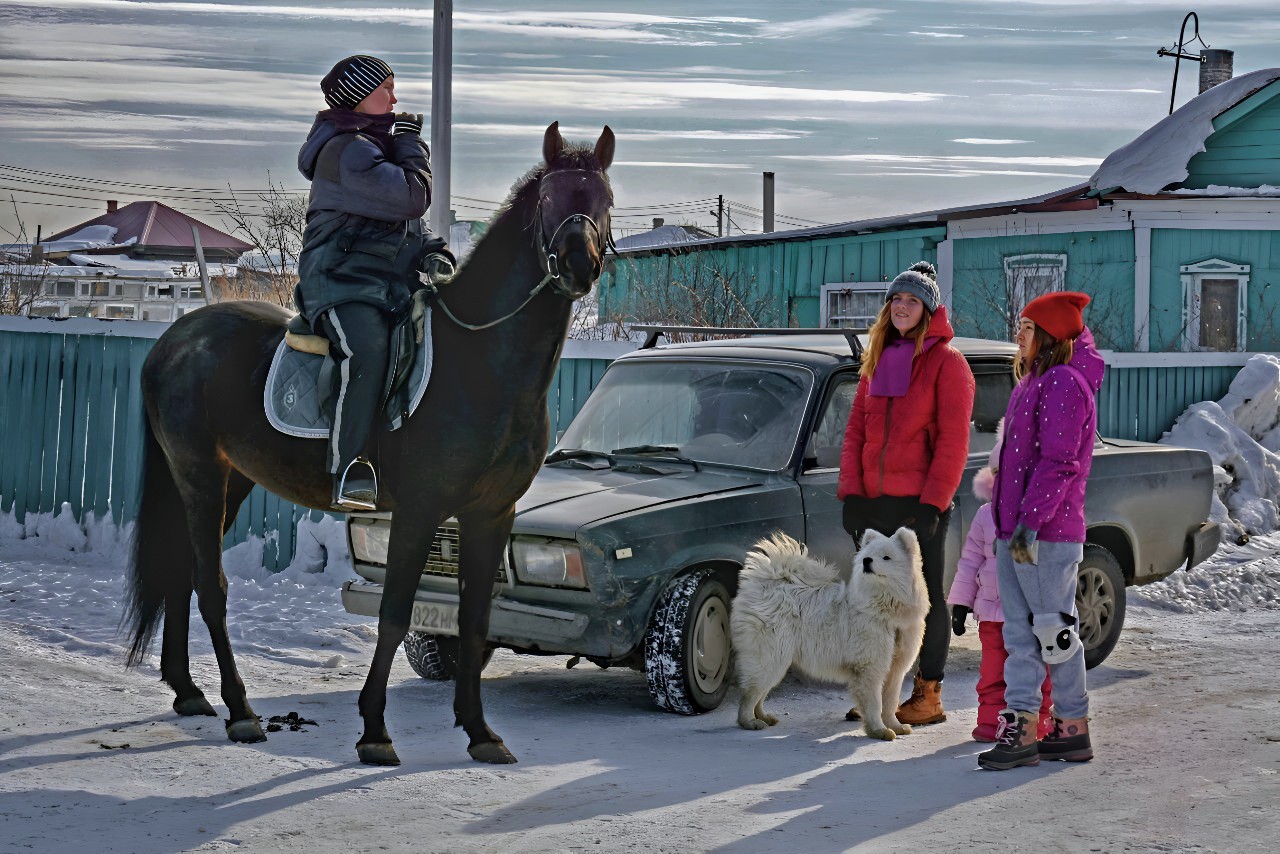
pixel 1241 433
pixel 1236 578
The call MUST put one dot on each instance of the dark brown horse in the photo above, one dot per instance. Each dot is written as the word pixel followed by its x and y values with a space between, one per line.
pixel 470 451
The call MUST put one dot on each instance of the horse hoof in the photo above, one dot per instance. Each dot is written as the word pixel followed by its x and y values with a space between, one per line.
pixel 196 705
pixel 377 753
pixel 247 731
pixel 493 752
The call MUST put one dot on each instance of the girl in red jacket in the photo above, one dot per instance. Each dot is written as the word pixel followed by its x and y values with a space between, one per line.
pixel 905 449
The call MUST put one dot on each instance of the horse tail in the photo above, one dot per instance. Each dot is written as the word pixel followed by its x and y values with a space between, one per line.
pixel 162 560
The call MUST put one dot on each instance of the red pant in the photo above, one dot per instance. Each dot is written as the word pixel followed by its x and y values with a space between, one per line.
pixel 991 683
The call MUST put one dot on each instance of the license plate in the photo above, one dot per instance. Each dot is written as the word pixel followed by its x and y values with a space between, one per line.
pixel 434 618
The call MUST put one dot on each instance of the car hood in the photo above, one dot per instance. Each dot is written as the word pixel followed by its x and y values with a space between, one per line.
pixel 564 499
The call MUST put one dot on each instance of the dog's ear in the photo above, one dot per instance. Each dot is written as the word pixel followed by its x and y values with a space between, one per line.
pixel 871 535
pixel 907 538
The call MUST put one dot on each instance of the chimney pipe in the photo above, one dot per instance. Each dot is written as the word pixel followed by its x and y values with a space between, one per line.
pixel 1215 67
pixel 112 205
pixel 768 201
pixel 658 222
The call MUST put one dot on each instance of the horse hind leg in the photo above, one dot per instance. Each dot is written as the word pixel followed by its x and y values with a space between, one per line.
pixel 205 492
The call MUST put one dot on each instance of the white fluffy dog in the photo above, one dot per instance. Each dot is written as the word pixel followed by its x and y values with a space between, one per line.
pixel 793 609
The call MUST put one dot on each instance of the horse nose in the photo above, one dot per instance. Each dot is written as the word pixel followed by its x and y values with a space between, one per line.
pixel 867 563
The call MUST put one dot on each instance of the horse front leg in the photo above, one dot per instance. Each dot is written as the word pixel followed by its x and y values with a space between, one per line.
pixel 482 541
pixel 412 533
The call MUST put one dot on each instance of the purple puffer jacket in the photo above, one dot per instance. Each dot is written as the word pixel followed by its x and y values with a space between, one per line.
pixel 1049 431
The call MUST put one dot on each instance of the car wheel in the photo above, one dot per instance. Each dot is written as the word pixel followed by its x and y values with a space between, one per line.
pixel 436 656
pixel 1100 601
pixel 687 649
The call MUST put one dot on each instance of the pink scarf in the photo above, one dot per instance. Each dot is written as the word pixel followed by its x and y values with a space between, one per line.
pixel 893 371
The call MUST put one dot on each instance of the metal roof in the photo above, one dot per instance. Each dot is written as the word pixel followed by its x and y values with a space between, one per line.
pixel 156 224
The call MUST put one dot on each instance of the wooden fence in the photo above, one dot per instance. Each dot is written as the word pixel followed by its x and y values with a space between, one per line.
pixel 71 416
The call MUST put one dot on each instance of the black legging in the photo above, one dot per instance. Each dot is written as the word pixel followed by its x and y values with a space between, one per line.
pixel 889 513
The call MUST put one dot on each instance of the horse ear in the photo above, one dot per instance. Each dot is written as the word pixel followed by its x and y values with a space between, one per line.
pixel 604 148
pixel 552 143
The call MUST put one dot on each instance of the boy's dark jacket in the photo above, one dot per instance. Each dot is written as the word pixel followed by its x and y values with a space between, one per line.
pixel 364 238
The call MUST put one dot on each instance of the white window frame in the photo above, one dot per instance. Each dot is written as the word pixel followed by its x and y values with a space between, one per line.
pixel 842 287
pixel 1015 267
pixel 1192 292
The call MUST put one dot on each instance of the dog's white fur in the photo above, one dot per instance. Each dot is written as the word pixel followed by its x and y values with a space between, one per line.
pixel 793 609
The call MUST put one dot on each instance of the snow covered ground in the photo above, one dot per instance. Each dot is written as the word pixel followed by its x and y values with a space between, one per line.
pixel 92 758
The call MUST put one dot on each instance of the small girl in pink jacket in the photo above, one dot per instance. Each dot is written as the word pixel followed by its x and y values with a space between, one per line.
pixel 975 589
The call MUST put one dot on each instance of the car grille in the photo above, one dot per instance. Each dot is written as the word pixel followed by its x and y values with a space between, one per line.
pixel 443 560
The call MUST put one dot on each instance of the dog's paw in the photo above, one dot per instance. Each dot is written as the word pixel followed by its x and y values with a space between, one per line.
pixel 900 729
pixel 755 723
pixel 769 719
pixel 883 734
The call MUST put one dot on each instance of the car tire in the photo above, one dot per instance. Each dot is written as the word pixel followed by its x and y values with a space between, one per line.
pixel 687 649
pixel 436 656
pixel 1100 601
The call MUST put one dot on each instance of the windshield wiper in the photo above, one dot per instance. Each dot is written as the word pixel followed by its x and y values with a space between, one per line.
pixel 573 454
pixel 670 452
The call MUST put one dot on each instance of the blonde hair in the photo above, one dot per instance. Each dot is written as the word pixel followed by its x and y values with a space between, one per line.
pixel 883 332
pixel 1046 352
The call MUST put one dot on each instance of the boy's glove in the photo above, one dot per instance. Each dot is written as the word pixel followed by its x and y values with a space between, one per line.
pixel 1023 545
pixel 959 613
pixel 856 509
pixel 407 123
pixel 926 521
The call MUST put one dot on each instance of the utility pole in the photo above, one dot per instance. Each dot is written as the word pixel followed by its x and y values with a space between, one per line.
pixel 768 201
pixel 441 115
pixel 718 213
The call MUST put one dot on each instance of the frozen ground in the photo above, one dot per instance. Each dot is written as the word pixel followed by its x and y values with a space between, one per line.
pixel 92 758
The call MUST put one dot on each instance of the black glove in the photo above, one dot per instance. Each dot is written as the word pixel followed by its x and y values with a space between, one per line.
pixel 1023 545
pixel 407 123
pixel 926 521
pixel 856 512
pixel 959 613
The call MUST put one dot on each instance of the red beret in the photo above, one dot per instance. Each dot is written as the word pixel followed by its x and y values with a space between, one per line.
pixel 1058 313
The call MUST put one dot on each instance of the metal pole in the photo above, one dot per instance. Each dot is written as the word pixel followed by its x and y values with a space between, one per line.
pixel 720 217
pixel 768 201
pixel 441 115
pixel 204 270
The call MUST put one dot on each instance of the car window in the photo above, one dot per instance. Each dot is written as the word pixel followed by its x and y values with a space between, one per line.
pixel 744 414
pixel 990 400
pixel 828 436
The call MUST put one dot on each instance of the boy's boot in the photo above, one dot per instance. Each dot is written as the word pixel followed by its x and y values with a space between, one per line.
pixel 1015 742
pixel 925 703
pixel 1069 740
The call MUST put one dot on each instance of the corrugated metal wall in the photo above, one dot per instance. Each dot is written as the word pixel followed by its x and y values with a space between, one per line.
pixel 71 416
pixel 1142 403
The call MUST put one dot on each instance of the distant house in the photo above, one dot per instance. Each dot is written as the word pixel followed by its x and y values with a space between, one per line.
pixel 663 235
pixel 1176 236
pixel 135 262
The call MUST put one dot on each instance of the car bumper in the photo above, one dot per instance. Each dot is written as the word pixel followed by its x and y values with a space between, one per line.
pixel 511 622
pixel 1203 542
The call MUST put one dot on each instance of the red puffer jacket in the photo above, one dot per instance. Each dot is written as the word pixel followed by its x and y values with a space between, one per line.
pixel 916 444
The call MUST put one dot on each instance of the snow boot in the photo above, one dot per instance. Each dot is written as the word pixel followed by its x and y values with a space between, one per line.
pixel 925 704
pixel 1015 742
pixel 1069 741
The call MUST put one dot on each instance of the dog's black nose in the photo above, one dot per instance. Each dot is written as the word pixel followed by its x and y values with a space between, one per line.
pixel 867 563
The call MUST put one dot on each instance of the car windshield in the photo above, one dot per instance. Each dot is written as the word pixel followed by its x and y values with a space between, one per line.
pixel 744 414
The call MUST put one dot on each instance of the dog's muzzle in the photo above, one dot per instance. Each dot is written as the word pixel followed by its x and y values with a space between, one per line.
pixel 866 565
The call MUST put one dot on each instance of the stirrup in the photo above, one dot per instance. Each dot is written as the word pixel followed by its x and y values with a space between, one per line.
pixel 357 489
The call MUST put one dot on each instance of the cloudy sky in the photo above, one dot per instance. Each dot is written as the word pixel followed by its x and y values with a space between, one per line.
pixel 860 109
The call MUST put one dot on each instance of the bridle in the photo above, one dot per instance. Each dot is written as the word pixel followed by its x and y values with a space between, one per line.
pixel 549 261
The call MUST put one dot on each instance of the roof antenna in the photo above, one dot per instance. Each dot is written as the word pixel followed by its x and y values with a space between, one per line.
pixel 1178 54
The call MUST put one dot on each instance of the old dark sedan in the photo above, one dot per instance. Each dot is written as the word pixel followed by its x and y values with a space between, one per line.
pixel 626 548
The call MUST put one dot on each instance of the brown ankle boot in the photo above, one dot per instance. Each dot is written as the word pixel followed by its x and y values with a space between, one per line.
pixel 1068 741
pixel 925 704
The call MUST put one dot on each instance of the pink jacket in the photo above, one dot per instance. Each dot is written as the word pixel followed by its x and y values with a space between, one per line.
pixel 975 582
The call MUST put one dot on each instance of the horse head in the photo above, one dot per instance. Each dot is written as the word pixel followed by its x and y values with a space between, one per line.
pixel 572 217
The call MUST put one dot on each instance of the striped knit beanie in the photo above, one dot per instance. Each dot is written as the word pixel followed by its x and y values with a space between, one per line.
pixel 354 79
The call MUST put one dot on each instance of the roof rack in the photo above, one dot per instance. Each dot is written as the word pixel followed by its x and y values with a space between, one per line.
pixel 657 331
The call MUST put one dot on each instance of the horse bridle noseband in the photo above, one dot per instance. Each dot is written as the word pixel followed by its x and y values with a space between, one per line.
pixel 549 262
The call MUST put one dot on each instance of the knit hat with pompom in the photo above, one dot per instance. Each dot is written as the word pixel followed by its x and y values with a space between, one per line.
pixel 920 280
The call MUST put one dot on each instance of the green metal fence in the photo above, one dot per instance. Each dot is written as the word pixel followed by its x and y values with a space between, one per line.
pixel 71 416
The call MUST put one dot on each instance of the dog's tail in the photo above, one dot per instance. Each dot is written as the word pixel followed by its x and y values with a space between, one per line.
pixel 781 558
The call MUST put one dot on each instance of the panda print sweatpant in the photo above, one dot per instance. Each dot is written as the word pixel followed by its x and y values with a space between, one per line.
pixel 1044 591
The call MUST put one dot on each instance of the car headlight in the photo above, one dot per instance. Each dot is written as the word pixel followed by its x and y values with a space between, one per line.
pixel 369 540
pixel 555 563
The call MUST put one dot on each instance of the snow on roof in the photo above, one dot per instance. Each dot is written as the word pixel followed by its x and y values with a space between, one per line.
pixel 1159 156
pixel 663 235
pixel 1220 190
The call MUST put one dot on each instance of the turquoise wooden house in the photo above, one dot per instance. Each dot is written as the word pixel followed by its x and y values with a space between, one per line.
pixel 1176 236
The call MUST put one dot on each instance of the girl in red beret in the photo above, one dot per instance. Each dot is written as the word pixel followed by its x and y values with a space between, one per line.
pixel 1038 510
